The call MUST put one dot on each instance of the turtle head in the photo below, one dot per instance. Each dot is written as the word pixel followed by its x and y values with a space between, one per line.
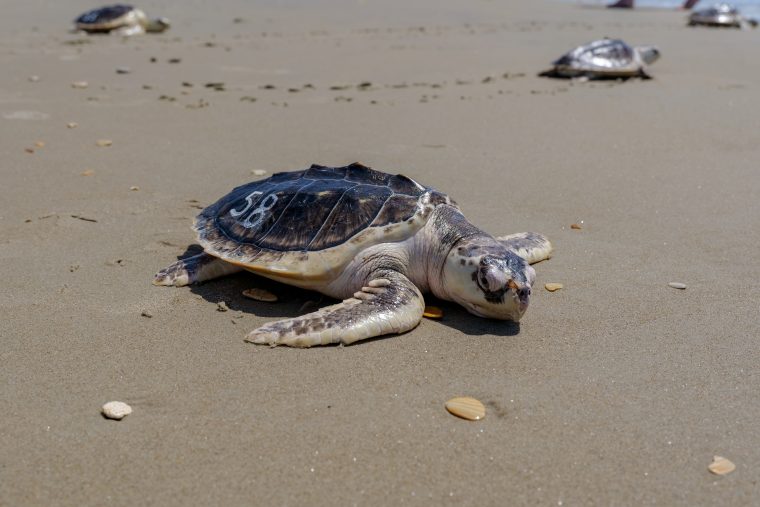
pixel 649 54
pixel 488 279
pixel 157 25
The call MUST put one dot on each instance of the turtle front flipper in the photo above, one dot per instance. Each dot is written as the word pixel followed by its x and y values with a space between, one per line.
pixel 390 303
pixel 197 268
pixel 531 246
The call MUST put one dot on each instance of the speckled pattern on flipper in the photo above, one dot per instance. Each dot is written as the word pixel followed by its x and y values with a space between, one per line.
pixel 388 304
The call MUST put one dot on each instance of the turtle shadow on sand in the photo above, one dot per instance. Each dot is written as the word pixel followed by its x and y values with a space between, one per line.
pixel 293 302
pixel 554 74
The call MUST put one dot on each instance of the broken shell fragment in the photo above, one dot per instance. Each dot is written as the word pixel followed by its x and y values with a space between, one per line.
pixel 87 172
pixel 260 295
pixel 433 312
pixel 466 408
pixel 576 226
pixel 552 287
pixel 721 466
pixel 104 142
pixel 80 84
pixel 677 285
pixel 258 172
pixel 72 124
pixel 116 410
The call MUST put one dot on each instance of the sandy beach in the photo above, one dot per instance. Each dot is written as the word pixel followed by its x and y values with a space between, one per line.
pixel 615 390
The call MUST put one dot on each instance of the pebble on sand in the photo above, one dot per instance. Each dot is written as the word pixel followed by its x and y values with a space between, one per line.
pixel 87 172
pixel 123 70
pixel 721 466
pixel 116 410
pixel 80 84
pixel 104 142
pixel 258 172
pixel 72 125
pixel 677 285
pixel 433 312
pixel 221 306
pixel 466 408
pixel 576 226
pixel 553 287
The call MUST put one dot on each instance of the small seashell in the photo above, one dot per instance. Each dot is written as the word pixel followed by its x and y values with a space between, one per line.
pixel 72 125
pixel 575 226
pixel 260 295
pixel 87 172
pixel 117 410
pixel 258 172
pixel 80 84
pixel 721 466
pixel 146 313
pixel 29 150
pixel 677 285
pixel 221 306
pixel 466 408
pixel 104 142
pixel 134 188
pixel 552 287
pixel 39 144
pixel 433 312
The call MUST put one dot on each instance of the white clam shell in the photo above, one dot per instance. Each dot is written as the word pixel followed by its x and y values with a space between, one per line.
pixel 117 410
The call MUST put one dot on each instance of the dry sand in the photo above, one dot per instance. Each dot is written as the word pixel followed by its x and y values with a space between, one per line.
pixel 617 389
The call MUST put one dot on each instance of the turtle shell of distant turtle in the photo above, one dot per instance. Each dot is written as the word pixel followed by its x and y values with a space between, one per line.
pixel 111 17
pixel 600 58
pixel 309 224
pixel 724 15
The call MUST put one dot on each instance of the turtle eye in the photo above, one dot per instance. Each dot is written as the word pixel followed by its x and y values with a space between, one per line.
pixel 491 278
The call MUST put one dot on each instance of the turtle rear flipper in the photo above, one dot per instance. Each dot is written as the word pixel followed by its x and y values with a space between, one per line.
pixel 390 303
pixel 197 268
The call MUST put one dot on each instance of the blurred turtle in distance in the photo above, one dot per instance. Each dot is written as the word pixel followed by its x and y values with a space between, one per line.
pixel 121 19
pixel 721 15
pixel 604 59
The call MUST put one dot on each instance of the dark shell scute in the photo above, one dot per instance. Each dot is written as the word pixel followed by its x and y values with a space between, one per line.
pixel 397 209
pixel 361 174
pixel 357 207
pixel 403 185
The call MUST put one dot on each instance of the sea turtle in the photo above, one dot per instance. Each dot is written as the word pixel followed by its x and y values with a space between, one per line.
pixel 721 15
pixel 375 240
pixel 120 18
pixel 604 58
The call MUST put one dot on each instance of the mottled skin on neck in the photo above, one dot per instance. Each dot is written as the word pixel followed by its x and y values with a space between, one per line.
pixel 452 259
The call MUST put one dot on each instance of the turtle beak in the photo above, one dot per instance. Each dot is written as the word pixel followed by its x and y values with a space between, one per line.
pixel 512 285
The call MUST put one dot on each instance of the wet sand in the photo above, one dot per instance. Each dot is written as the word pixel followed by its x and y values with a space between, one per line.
pixel 616 390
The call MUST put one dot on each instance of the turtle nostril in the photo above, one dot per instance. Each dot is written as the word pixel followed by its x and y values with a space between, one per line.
pixel 523 293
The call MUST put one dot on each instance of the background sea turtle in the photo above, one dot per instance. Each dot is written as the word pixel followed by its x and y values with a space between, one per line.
pixel 721 15
pixel 604 58
pixel 120 18
pixel 375 240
